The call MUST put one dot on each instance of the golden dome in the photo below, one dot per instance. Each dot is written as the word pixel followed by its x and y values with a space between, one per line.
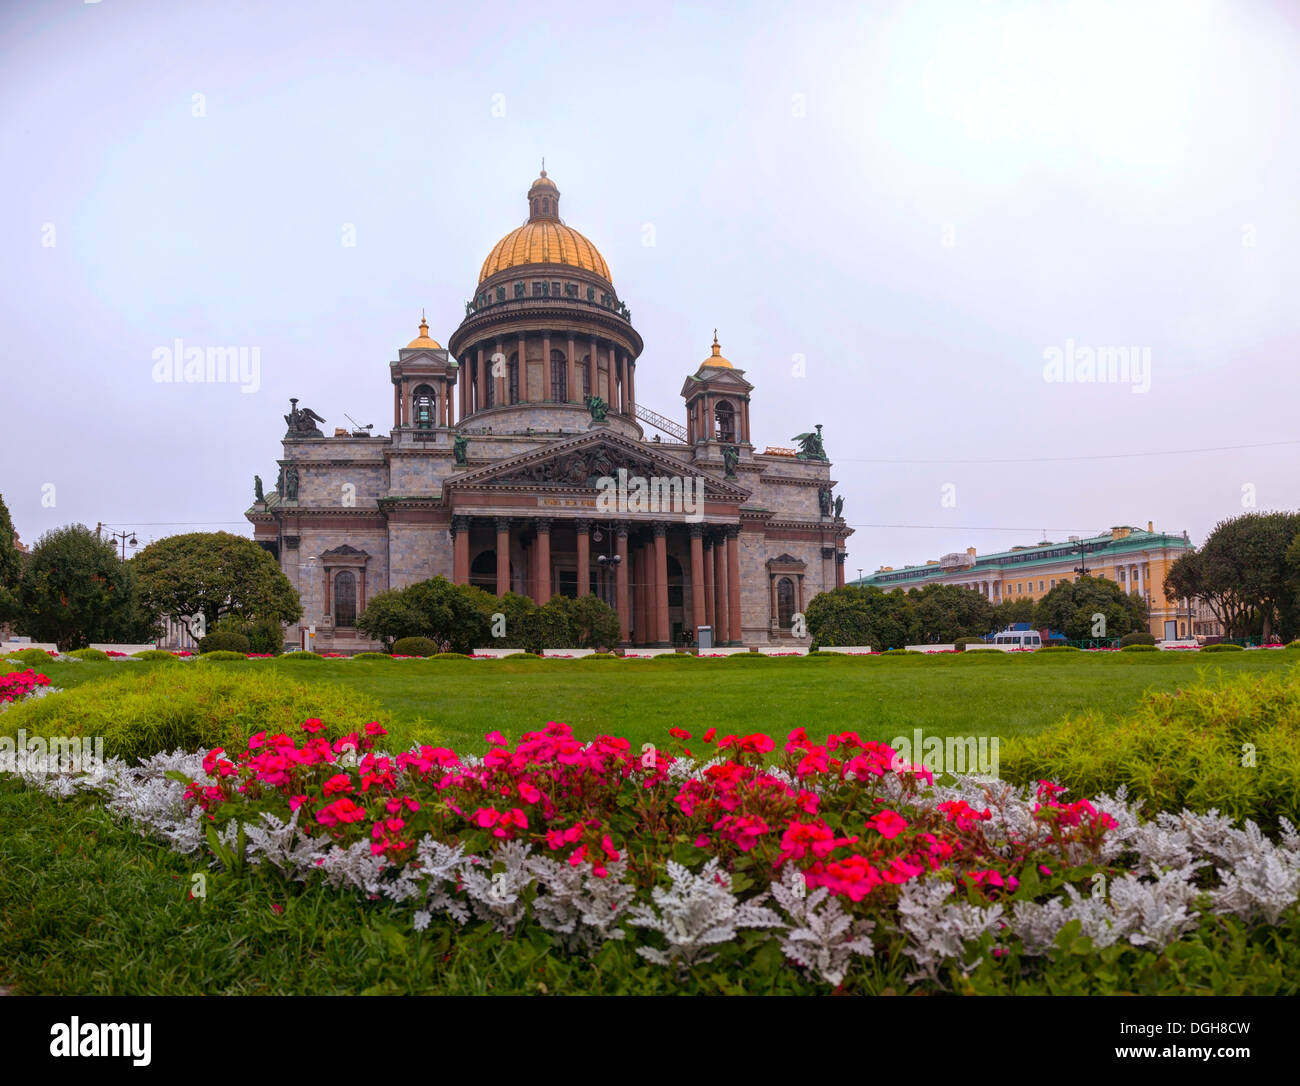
pixel 715 360
pixel 544 239
pixel 423 340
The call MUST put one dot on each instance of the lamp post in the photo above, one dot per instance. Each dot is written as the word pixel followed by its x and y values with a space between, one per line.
pixel 122 538
pixel 607 561
pixel 310 633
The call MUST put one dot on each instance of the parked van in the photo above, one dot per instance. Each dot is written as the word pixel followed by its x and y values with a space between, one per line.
pixel 1010 639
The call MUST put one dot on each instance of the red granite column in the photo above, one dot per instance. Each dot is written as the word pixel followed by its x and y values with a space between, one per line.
pixel 638 594
pixel 631 386
pixel 397 404
pixel 361 590
pixel 326 574
pixel 546 365
pixel 620 583
pixel 708 584
pixel 733 586
pixel 521 371
pixel 661 584
pixel 480 386
pixel 503 555
pixel 543 559
pixel 697 578
pixel 719 592
pixel 499 387
pixel 839 568
pixel 584 551
pixel 460 549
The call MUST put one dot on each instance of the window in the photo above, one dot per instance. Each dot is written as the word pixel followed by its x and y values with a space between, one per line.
pixel 725 415
pixel 345 598
pixel 559 378
pixel 586 375
pixel 1053 582
pixel 423 404
pixel 1040 586
pixel 555 289
pixel 785 603
pixel 512 392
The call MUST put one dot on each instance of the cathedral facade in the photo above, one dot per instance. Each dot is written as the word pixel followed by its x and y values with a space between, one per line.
pixel 518 461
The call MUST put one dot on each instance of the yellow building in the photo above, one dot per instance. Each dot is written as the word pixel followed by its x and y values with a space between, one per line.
pixel 1136 560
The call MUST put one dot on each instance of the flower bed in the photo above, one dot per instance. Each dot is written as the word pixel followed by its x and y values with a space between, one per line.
pixel 834 851
pixel 18 685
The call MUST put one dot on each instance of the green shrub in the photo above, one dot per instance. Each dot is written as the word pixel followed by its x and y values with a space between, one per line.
pixel 151 710
pixel 372 656
pixel 415 646
pixel 33 657
pixel 220 654
pixel 156 656
pixel 1182 749
pixel 89 654
pixel 1058 648
pixel 450 656
pixel 1293 644
pixel 302 656
pixel 1137 637
pixel 223 641
pixel 600 656
pixel 1138 648
pixel 902 652
pixel 1226 646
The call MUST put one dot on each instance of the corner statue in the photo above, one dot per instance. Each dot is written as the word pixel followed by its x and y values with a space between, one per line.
pixel 301 422
pixel 810 445
pixel 598 408
pixel 257 489
pixel 730 458
pixel 458 448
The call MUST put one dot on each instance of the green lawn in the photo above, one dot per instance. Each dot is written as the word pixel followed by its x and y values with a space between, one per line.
pixel 455 702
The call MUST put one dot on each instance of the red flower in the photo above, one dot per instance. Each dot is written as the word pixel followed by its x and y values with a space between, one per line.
pixel 338 783
pixel 312 725
pixel 889 823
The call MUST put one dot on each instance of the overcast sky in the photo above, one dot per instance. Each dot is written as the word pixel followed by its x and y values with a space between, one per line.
pixel 922 201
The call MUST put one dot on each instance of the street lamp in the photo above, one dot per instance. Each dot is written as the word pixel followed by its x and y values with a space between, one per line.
pixel 125 539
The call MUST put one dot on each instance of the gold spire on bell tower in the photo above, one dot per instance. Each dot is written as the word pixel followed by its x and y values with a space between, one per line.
pixel 715 359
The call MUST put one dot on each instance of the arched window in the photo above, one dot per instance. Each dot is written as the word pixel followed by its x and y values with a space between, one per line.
pixel 726 421
pixel 559 377
pixel 490 391
pixel 585 366
pixel 423 405
pixel 345 598
pixel 512 390
pixel 785 603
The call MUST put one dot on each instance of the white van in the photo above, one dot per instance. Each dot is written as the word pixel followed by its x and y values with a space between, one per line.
pixel 1008 640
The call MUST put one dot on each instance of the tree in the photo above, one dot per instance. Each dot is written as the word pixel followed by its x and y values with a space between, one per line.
pixel 1071 607
pixel 593 623
pixel 215 574
pixel 11 566
pixel 75 590
pixel 450 614
pixel 855 615
pixel 945 612
pixel 1007 613
pixel 1245 571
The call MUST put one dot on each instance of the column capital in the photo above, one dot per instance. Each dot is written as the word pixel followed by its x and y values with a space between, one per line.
pixel 583 525
pixel 543 524
pixel 460 523
pixel 697 531
pixel 660 528
pixel 732 531
pixel 503 524
pixel 840 556
pixel 622 529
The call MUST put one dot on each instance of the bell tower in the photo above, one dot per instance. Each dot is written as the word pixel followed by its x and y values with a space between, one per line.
pixel 717 402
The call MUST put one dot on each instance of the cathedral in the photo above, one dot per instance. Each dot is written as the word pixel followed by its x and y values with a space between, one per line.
pixel 519 461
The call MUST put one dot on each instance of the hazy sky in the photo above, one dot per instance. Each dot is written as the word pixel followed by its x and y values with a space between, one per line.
pixel 921 201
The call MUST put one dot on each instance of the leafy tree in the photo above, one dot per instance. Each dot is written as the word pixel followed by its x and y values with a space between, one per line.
pixel 75 590
pixel 593 623
pixel 215 574
pixel 1071 605
pixel 437 609
pixel 945 612
pixel 1010 611
pixel 1244 573
pixel 11 566
pixel 860 615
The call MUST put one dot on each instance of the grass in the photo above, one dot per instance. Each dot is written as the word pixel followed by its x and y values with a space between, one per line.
pixel 455 702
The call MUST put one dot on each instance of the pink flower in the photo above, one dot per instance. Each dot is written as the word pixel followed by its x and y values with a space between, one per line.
pixel 338 783
pixel 485 817
pixel 889 823
pixel 312 725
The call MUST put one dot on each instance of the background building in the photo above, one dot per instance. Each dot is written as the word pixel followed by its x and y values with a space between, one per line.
pixel 491 473
pixel 1137 560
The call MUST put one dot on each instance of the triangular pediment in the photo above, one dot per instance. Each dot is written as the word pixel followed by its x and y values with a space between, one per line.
pixel 578 463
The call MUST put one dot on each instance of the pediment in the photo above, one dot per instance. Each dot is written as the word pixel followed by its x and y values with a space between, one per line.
pixel 578 463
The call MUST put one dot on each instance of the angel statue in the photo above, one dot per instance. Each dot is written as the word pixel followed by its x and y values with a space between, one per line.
pixel 257 489
pixel 598 408
pixel 810 445
pixel 839 508
pixel 301 421
pixel 730 458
